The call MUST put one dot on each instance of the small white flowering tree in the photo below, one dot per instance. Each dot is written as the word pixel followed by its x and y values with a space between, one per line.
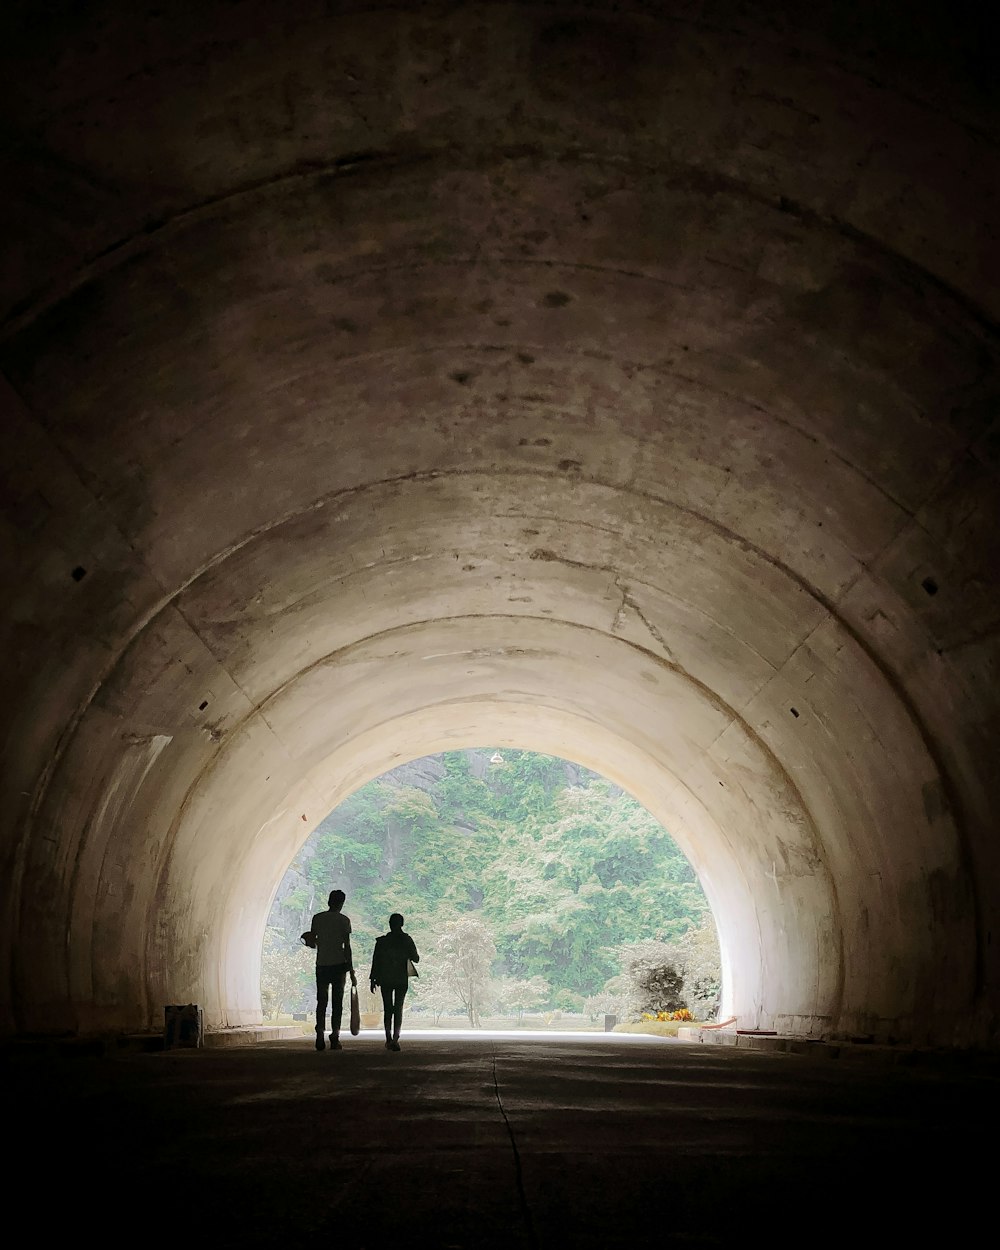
pixel 432 992
pixel 515 997
pixel 702 968
pixel 609 1001
pixel 465 954
pixel 285 973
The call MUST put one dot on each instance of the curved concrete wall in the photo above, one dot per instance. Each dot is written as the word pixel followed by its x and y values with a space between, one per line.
pixel 620 383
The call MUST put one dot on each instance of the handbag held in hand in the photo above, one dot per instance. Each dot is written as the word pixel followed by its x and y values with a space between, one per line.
pixel 355 1012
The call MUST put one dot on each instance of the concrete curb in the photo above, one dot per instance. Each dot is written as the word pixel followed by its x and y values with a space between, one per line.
pixel 787 1044
pixel 107 1046
pixel 252 1035
pixel 824 1049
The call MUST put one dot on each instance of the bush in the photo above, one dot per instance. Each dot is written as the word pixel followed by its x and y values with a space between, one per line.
pixel 653 979
pixel 699 949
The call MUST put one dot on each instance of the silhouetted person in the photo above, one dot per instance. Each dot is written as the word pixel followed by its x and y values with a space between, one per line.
pixel 390 973
pixel 330 934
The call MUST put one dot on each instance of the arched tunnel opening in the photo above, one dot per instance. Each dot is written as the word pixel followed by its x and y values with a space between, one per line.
pixel 611 381
pixel 538 893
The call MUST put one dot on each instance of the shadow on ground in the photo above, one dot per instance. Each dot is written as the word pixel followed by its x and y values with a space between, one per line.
pixel 500 1142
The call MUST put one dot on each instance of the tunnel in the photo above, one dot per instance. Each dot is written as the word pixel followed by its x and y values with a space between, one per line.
pixel 611 380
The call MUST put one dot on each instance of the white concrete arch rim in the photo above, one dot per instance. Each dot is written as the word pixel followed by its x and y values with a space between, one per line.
pixel 218 763
pixel 828 606
pixel 511 713
pixel 340 495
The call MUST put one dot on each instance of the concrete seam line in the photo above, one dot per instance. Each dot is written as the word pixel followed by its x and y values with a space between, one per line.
pixel 518 1172
pixel 108 258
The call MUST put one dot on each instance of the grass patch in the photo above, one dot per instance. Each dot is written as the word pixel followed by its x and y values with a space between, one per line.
pixel 660 1028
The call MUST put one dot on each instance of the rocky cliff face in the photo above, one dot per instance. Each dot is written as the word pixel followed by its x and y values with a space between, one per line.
pixel 423 774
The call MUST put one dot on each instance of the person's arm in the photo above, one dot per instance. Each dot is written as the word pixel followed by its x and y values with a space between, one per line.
pixel 372 979
pixel 309 937
pixel 413 950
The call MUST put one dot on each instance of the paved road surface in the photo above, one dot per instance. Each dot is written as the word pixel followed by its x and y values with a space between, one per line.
pixel 500 1142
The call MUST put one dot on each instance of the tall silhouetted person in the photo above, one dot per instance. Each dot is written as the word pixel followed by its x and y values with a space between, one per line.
pixel 330 935
pixel 390 972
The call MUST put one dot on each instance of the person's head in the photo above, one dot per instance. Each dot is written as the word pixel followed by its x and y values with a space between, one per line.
pixel 336 900
pixel 396 922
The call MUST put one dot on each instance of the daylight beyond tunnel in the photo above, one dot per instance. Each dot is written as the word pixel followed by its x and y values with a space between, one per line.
pixel 617 382
pixel 530 885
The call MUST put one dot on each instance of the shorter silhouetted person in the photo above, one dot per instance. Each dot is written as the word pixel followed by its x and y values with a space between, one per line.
pixel 330 935
pixel 390 972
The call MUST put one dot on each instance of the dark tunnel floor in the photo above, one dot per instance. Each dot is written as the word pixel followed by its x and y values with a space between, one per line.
pixel 492 1142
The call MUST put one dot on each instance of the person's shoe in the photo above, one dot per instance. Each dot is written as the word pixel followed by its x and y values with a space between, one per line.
pixel 394 1045
pixel 388 1044
pixel 336 1043
pixel 320 1044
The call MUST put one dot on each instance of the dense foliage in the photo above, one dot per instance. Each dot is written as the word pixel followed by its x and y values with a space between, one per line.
pixel 653 978
pixel 562 869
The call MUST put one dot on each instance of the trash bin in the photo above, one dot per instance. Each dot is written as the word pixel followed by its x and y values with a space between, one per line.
pixel 609 1023
pixel 182 1026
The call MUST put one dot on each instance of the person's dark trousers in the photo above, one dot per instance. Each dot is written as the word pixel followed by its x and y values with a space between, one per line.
pixel 330 980
pixel 392 1001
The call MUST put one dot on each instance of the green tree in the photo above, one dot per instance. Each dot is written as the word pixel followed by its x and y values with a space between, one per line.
pixel 568 1000
pixel 525 785
pixel 594 871
pixel 463 799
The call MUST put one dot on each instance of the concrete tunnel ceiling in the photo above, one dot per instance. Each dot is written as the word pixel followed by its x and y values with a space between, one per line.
pixel 617 381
